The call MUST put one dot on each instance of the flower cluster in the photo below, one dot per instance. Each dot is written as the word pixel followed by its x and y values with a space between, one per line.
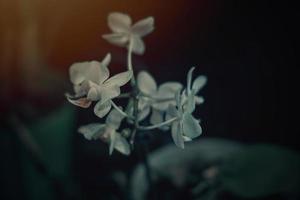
pixel 169 106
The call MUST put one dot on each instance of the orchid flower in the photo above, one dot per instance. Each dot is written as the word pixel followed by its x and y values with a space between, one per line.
pixel 186 127
pixel 81 74
pixel 127 35
pixel 108 133
pixel 157 98
pixel 92 83
pixel 193 88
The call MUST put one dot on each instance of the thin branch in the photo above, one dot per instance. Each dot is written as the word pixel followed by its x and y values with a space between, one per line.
pixel 129 62
pixel 157 125
pixel 124 95
pixel 156 98
pixel 121 111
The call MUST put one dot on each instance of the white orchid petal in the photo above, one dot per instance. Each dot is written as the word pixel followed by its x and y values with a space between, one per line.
pixel 143 113
pixel 114 119
pixel 106 60
pixel 77 72
pixel 81 89
pixel 178 99
pixel 119 39
pixel 186 139
pixel 138 46
pixel 119 22
pixel 143 27
pixel 189 79
pixel 121 144
pixel 101 109
pixel 119 79
pixel 108 93
pixel 191 126
pixel 112 141
pixel 156 117
pixel 177 134
pixel 171 112
pixel 146 83
pixel 81 102
pixel 167 91
pixel 199 99
pixel 93 94
pixel 92 131
pixel 199 83
pixel 190 105
pixel 96 73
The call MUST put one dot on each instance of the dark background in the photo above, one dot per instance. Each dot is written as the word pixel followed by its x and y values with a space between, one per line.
pixel 246 49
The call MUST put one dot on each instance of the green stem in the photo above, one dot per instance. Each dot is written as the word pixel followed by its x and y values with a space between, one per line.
pixel 121 111
pixel 157 99
pixel 157 125
pixel 129 63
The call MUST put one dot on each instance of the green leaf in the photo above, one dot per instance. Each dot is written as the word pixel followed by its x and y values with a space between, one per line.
pixel 261 170
pixel 54 135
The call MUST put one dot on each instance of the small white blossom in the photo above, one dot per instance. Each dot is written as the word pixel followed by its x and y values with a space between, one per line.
pixel 108 133
pixel 186 127
pixel 81 74
pixel 193 88
pixel 124 32
pixel 157 98
pixel 92 83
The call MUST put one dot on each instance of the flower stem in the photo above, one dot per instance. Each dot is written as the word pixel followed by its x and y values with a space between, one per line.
pixel 123 95
pixel 157 125
pixel 120 111
pixel 157 99
pixel 129 62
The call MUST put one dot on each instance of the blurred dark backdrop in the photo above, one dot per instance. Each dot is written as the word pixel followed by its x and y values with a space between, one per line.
pixel 245 48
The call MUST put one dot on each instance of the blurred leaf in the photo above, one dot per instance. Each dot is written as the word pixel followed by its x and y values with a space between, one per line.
pixel 176 164
pixel 261 170
pixel 54 135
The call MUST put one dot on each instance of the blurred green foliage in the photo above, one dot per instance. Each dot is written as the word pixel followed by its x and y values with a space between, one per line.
pixel 46 177
pixel 261 170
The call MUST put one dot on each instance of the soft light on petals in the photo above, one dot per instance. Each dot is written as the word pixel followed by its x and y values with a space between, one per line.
pixel 143 27
pixel 186 139
pixel 138 45
pixel 93 94
pixel 119 22
pixel 177 134
pixel 156 117
pixel 143 113
pixel 121 144
pixel 191 104
pixel 114 119
pixel 146 83
pixel 119 39
pixel 191 126
pixel 108 93
pixel 199 100
pixel 92 131
pixel 119 79
pixel 101 109
pixel 199 83
pixel 112 141
pixel 81 102
pixel 189 79
pixel 167 91
pixel 95 72
pixel 106 60
pixel 77 72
